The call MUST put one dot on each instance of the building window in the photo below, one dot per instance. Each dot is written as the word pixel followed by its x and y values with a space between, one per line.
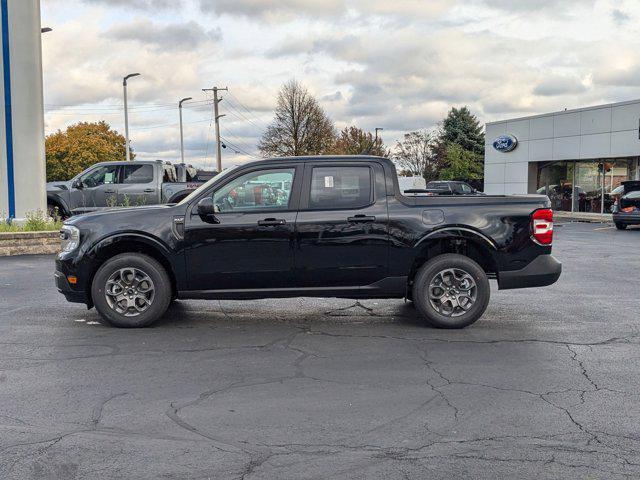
pixel 583 186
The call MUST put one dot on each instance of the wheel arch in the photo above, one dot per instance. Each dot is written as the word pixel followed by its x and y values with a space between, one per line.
pixel 460 240
pixel 133 243
pixel 58 202
pixel 179 196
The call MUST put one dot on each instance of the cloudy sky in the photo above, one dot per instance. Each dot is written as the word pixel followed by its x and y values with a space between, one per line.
pixel 397 64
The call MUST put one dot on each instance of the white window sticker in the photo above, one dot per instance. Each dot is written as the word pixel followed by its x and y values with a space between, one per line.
pixel 328 182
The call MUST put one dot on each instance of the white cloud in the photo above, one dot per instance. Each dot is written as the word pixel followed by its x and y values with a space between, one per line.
pixel 374 63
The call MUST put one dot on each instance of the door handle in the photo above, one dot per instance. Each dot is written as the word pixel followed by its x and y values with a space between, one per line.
pixel 271 222
pixel 149 190
pixel 362 219
pixel 109 191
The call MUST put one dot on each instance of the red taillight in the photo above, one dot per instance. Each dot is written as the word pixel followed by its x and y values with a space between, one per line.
pixel 542 226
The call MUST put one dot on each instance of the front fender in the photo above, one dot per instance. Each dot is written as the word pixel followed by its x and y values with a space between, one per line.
pixel 95 250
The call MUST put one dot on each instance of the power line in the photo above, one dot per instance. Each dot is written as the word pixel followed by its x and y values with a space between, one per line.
pixel 250 112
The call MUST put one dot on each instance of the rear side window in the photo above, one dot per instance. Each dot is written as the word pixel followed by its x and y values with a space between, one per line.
pixel 138 174
pixel 340 187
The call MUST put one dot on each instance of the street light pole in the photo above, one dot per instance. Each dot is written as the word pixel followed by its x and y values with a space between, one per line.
pixel 126 114
pixel 377 130
pixel 181 134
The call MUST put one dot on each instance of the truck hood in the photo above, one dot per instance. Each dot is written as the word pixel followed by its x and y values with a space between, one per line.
pixel 58 186
pixel 123 216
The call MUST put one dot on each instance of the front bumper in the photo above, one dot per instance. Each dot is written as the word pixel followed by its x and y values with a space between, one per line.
pixel 542 271
pixel 69 293
pixel 632 218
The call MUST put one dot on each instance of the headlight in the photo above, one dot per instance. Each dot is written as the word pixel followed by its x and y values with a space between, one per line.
pixel 69 238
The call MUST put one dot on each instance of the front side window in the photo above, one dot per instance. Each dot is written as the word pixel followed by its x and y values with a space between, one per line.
pixel 104 175
pixel 138 174
pixel 255 191
pixel 340 187
pixel 465 188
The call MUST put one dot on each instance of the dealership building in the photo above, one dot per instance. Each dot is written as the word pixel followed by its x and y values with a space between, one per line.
pixel 576 157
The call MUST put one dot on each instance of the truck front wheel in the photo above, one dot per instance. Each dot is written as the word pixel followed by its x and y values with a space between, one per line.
pixel 451 291
pixel 131 290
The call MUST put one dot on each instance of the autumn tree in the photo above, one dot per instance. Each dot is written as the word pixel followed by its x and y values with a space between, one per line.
pixel 80 146
pixel 414 154
pixel 300 126
pixel 355 141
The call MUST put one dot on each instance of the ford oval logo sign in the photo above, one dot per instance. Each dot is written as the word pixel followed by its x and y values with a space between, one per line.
pixel 505 143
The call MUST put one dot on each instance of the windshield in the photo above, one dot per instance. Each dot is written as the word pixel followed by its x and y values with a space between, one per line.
pixel 204 186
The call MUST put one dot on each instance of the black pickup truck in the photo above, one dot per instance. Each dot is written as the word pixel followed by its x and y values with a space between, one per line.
pixel 308 226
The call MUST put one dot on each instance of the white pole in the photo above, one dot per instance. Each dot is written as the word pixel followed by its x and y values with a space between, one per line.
pixel 126 115
pixel 126 121
pixel 181 131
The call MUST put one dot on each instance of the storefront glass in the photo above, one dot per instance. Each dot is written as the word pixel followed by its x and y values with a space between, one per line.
pixel 584 182
pixel 555 180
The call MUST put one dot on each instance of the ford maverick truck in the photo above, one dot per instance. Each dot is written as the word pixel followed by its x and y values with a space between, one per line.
pixel 308 226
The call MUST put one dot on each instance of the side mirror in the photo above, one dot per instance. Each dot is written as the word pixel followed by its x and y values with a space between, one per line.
pixel 77 184
pixel 206 210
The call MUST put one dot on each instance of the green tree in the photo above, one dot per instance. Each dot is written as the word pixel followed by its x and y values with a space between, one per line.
pixel 463 128
pixel 80 146
pixel 355 141
pixel 461 164
pixel 300 126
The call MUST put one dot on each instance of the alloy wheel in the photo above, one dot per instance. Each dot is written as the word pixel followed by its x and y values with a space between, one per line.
pixel 452 292
pixel 129 291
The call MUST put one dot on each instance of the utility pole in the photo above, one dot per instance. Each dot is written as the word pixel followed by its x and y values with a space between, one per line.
pixel 216 101
pixel 181 134
pixel 126 114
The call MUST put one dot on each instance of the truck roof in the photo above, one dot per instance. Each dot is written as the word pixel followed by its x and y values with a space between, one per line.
pixel 320 158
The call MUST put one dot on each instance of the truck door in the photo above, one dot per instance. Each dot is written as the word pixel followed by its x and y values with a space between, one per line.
pixel 139 185
pixel 248 242
pixel 342 227
pixel 97 189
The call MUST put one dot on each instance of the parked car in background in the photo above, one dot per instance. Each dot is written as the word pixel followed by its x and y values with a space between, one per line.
pixel 308 226
pixel 451 187
pixel 110 184
pixel 626 210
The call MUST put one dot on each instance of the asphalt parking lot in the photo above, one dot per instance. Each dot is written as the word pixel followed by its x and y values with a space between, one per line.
pixel 546 385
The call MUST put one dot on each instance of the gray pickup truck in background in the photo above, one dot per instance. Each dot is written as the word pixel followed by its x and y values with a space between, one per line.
pixel 112 184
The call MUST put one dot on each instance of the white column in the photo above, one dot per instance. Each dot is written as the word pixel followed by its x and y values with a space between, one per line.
pixel 23 74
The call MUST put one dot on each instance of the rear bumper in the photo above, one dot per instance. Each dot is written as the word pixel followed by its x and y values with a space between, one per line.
pixel 544 270
pixel 627 218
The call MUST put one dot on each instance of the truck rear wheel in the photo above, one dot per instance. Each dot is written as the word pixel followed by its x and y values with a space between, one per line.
pixel 451 291
pixel 131 290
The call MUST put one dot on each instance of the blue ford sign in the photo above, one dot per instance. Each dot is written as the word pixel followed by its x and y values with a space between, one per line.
pixel 505 143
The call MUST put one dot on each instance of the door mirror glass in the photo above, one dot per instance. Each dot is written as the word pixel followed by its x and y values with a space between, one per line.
pixel 206 207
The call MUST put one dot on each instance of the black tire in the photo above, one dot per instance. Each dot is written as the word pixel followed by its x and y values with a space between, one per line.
pixel 160 281
pixel 428 273
pixel 621 226
pixel 54 211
